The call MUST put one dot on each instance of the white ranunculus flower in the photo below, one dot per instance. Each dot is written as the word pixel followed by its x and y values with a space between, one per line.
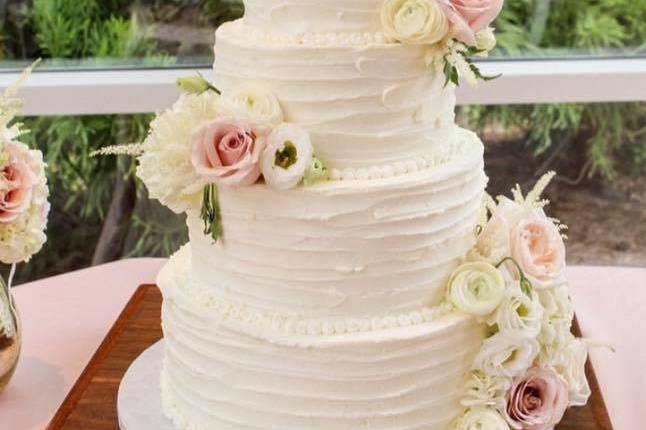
pixel 480 419
pixel 165 166
pixel 414 21
pixel 476 288
pixel 571 367
pixel 287 157
pixel 261 106
pixel 485 39
pixel 520 313
pixel 506 353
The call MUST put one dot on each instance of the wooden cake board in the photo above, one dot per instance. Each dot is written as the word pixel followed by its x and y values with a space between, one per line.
pixel 92 402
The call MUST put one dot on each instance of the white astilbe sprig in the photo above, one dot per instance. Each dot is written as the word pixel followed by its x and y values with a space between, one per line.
pixel 130 149
pixel 486 391
pixel 533 200
pixel 10 105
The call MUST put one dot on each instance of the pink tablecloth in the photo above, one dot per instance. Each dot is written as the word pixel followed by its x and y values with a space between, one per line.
pixel 65 319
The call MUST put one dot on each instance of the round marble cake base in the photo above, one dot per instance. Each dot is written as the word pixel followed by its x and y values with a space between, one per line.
pixel 139 402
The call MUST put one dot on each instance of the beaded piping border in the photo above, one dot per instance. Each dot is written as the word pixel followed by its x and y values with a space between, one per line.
pixel 247 33
pixel 296 325
pixel 424 162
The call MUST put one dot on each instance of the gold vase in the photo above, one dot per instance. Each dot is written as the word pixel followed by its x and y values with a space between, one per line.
pixel 10 335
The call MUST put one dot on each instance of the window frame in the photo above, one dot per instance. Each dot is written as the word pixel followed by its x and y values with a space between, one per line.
pixel 131 91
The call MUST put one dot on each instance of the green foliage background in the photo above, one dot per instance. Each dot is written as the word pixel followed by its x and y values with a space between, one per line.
pixel 600 137
pixel 606 134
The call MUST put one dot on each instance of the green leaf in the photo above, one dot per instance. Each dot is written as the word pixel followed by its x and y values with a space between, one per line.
pixel 479 75
pixel 210 213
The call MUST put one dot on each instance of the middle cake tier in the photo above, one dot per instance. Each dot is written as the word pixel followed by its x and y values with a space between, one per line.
pixel 367 248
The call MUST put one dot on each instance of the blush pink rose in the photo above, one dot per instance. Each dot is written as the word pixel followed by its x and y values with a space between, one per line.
pixel 17 181
pixel 470 16
pixel 536 244
pixel 537 400
pixel 227 152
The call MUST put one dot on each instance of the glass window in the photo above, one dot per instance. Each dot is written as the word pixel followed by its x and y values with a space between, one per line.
pixel 571 29
pixel 179 33
pixel 90 34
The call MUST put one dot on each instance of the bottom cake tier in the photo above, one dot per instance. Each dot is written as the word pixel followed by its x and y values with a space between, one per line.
pixel 230 368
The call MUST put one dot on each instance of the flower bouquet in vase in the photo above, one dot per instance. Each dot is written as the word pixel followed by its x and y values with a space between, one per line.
pixel 23 218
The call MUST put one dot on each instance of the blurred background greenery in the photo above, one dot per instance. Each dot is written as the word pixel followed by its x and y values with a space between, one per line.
pixel 101 212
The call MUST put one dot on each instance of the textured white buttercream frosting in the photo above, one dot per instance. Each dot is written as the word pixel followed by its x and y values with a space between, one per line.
pixel 226 374
pixel 362 105
pixel 320 306
pixel 345 249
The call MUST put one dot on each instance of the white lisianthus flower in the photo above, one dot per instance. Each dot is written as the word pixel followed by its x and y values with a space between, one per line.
pixel 476 288
pixel 506 353
pixel 519 313
pixel 558 313
pixel 480 419
pixel 260 105
pixel 486 391
pixel 486 40
pixel 287 157
pixel 165 166
pixel 414 21
pixel 571 367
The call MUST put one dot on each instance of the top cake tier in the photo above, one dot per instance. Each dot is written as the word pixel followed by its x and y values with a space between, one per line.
pixel 300 16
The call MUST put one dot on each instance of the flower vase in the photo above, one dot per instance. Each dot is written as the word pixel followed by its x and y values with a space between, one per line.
pixel 10 335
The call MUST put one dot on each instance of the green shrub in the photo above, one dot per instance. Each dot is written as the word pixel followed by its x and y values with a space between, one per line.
pixel 604 132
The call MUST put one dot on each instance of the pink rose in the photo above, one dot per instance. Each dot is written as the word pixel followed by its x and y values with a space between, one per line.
pixel 17 181
pixel 536 244
pixel 470 16
pixel 227 151
pixel 537 400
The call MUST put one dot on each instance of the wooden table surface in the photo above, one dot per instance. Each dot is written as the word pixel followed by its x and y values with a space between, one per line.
pixel 91 403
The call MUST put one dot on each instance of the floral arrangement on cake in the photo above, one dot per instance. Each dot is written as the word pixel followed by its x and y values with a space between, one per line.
pixel 23 197
pixel 454 30
pixel 209 139
pixel 530 368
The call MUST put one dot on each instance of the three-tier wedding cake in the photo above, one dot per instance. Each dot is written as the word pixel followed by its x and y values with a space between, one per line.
pixel 346 269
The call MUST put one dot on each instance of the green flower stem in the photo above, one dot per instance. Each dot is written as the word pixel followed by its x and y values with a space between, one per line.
pixel 525 284
pixel 210 213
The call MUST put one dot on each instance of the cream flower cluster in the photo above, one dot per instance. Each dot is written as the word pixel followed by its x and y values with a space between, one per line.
pixel 23 185
pixel 210 140
pixel 530 368
pixel 225 140
pixel 165 163
pixel 23 197
pixel 23 202
pixel 454 30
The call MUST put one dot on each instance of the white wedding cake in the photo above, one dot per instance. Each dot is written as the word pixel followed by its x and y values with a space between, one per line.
pixel 346 269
